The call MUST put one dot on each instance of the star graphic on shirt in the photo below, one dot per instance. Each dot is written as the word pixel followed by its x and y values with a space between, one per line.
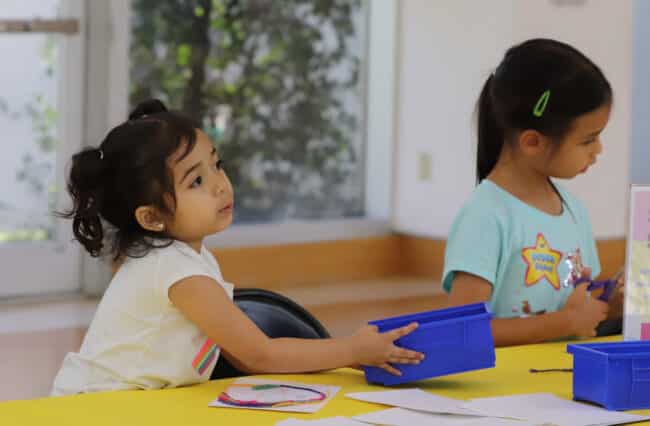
pixel 542 262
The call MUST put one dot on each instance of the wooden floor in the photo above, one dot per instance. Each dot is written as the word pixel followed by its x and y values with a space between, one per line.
pixel 31 355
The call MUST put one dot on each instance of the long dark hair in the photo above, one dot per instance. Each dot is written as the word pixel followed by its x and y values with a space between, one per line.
pixel 509 98
pixel 129 169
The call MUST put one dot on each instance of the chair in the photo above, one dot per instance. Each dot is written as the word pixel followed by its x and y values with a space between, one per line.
pixel 276 316
pixel 610 327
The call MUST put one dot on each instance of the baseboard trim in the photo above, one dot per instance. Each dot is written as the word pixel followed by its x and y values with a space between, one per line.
pixel 312 264
pixel 309 264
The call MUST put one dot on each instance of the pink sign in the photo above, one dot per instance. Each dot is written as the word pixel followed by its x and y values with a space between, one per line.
pixel 645 331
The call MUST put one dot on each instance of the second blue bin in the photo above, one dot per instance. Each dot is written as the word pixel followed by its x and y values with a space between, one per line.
pixel 453 340
pixel 614 375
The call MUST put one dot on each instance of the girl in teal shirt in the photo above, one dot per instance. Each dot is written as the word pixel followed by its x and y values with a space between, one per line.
pixel 517 240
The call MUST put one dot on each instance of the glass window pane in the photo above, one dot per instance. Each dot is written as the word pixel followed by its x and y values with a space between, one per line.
pixel 28 118
pixel 278 85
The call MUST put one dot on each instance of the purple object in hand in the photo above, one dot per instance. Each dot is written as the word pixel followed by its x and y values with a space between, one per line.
pixel 608 287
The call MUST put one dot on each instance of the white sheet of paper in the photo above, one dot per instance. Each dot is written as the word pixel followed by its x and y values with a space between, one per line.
pixel 636 320
pixel 548 408
pixel 403 417
pixel 278 395
pixel 330 421
pixel 415 399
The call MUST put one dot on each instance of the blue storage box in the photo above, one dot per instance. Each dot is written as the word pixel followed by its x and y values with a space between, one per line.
pixel 614 375
pixel 452 340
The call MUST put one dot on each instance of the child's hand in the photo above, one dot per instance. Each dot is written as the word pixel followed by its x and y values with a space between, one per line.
pixel 377 349
pixel 584 312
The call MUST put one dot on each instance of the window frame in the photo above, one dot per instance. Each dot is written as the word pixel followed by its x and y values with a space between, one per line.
pixel 108 68
pixel 58 261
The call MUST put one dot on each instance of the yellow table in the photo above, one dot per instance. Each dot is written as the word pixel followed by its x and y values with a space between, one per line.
pixel 188 406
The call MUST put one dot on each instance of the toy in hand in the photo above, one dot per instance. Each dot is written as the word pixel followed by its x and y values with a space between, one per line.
pixel 608 286
pixel 576 276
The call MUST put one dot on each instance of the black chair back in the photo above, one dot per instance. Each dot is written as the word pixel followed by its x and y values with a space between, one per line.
pixel 277 316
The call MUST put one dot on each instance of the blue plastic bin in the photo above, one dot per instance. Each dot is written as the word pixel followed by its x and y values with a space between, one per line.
pixel 614 375
pixel 453 340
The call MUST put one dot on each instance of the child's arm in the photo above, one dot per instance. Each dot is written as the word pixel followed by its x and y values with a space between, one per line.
pixel 206 304
pixel 579 317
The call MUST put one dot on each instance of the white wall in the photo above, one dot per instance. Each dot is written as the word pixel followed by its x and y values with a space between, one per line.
pixel 447 50
pixel 640 149
pixel 380 107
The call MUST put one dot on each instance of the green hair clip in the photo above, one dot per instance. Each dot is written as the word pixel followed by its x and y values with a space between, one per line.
pixel 540 106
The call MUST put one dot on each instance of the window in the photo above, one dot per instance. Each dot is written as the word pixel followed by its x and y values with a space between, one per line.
pixel 278 85
pixel 40 112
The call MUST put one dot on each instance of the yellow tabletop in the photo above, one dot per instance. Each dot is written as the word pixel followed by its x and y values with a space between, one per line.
pixel 189 406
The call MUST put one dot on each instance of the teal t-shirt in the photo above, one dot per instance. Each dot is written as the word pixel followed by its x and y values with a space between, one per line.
pixel 523 252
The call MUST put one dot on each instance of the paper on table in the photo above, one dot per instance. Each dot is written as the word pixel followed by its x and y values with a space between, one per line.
pixel 330 421
pixel 415 399
pixel 403 417
pixel 275 394
pixel 549 409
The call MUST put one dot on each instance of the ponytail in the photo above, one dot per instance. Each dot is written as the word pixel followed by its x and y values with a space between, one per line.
pixel 85 188
pixel 490 134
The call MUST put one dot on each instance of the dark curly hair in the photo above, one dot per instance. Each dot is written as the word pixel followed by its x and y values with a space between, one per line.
pixel 129 169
